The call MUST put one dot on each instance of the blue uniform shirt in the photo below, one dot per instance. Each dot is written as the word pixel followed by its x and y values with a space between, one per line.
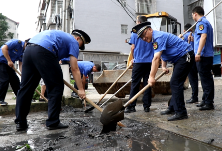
pixel 186 38
pixel 66 59
pixel 143 50
pixel 204 27
pixel 172 46
pixel 85 67
pixel 15 51
pixel 58 42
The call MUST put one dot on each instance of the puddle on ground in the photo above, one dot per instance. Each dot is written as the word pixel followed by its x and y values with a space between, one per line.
pixel 83 134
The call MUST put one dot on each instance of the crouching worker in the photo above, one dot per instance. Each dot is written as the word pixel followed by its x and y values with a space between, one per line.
pixel 10 52
pixel 41 59
pixel 169 48
pixel 86 67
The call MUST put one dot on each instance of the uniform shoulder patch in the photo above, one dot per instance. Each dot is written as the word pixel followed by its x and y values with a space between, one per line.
pixel 16 50
pixel 19 41
pixel 155 45
pixel 201 27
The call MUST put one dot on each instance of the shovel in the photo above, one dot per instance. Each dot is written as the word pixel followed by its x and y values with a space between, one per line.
pixel 116 92
pixel 89 101
pixel 91 108
pixel 114 112
pixel 35 89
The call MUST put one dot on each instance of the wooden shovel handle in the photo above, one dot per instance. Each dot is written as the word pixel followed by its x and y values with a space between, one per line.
pixel 76 91
pixel 141 91
pixel 88 100
pixel 114 83
pixel 35 89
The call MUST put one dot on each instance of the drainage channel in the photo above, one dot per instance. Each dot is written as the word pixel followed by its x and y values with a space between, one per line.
pixel 84 134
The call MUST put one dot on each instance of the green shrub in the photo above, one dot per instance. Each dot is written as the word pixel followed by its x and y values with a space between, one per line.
pixel 72 81
pixel 36 95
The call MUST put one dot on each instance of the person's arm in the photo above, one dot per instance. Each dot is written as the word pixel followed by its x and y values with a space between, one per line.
pixel 154 68
pixel 164 68
pixel 77 76
pixel 6 55
pixel 83 81
pixel 132 50
pixel 20 66
pixel 202 42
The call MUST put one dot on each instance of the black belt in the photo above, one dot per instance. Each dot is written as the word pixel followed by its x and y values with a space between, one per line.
pixel 30 44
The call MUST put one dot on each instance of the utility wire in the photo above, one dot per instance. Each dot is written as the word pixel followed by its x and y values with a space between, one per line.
pixel 116 4
pixel 126 11
pixel 131 7
pixel 127 8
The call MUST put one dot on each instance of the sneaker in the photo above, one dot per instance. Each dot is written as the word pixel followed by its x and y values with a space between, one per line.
pixel 177 116
pixel 3 103
pixel 130 110
pixel 59 126
pixel 41 100
pixel 147 109
pixel 21 127
pixel 74 95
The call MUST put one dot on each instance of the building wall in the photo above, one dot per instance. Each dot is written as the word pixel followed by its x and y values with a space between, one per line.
pixel 102 21
pixel 13 28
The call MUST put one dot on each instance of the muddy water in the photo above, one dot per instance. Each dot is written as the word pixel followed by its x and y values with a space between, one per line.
pixel 84 134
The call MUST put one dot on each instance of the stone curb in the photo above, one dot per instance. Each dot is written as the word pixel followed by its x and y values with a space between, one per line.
pixel 36 107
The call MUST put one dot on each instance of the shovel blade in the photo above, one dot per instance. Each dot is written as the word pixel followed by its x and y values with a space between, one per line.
pixel 113 113
pixel 89 109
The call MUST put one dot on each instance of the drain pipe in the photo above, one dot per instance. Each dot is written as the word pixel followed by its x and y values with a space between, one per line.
pixel 64 15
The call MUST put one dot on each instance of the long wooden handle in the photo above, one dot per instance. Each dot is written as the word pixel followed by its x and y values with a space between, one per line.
pixel 141 91
pixel 114 83
pixel 116 92
pixel 188 37
pixel 204 16
pixel 35 89
pixel 76 91
pixel 88 100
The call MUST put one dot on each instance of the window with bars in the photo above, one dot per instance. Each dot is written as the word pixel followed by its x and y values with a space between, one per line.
pixel 192 5
pixel 144 6
pixel 124 29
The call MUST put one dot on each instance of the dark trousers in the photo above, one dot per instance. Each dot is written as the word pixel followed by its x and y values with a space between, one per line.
pixel 180 72
pixel 39 62
pixel 140 70
pixel 7 75
pixel 193 79
pixel 204 68
pixel 75 86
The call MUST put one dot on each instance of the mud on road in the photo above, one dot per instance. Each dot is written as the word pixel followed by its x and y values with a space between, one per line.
pixel 84 134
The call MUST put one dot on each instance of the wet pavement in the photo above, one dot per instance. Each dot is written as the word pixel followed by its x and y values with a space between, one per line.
pixel 144 131
pixel 84 133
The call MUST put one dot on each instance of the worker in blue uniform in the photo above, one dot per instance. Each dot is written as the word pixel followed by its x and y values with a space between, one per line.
pixel 169 48
pixel 142 58
pixel 85 68
pixel 10 52
pixel 204 52
pixel 41 59
pixel 193 75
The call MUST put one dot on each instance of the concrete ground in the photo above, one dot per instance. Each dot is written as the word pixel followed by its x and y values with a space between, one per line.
pixel 205 126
